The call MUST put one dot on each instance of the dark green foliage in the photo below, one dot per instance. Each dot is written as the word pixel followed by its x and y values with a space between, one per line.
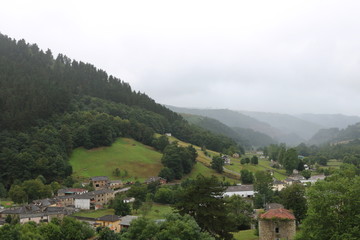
pixel 300 166
pixel 239 212
pixel 121 208
pixel 50 231
pixel 179 159
pixel 293 198
pixel 3 192
pixel 202 199
pixel 107 234
pixel 164 195
pixel 263 185
pixel 290 160
pixel 306 174
pixel 217 164
pixel 160 143
pixel 10 232
pixel 138 191
pixel 254 160
pixel 29 190
pixel 18 194
pixel 333 210
pixel 167 173
pixel 136 204
pixel 66 229
pixel 246 177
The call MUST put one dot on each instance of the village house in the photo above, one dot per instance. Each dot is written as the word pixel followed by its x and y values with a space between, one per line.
pixel 102 196
pixel 227 160
pixel 276 224
pixel 110 221
pixel 36 214
pixel 246 191
pixel 156 179
pixel 115 184
pixel 125 221
pixel 82 201
pixel 100 182
pixel 71 191
pixel 278 185
pixel 95 199
pixel 65 201
pixel 313 179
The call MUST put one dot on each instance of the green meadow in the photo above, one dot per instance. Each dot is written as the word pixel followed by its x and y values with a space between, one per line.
pixel 94 213
pixel 246 235
pixel 140 161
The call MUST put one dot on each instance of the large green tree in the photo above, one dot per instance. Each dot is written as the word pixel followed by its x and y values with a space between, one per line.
pixel 263 186
pixel 290 161
pixel 333 210
pixel 293 198
pixel 246 177
pixel 202 199
pixel 217 164
pixel 175 227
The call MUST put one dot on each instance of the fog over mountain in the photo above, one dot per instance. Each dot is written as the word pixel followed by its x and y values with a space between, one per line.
pixel 290 129
pixel 266 56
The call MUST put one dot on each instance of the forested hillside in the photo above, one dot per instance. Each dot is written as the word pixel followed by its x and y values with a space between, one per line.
pixel 334 135
pixel 244 136
pixel 232 119
pixel 51 105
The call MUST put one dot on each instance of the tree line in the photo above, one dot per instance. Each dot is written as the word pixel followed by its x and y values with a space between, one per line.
pixel 50 106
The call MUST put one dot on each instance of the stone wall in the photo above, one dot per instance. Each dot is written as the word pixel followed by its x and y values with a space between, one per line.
pixel 276 229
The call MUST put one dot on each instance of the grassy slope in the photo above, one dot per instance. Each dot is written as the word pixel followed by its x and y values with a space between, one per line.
pixel 203 164
pixel 279 174
pixel 246 235
pixel 157 211
pixel 139 160
pixel 95 213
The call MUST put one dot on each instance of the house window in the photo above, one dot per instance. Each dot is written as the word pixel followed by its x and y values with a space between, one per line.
pixel 277 230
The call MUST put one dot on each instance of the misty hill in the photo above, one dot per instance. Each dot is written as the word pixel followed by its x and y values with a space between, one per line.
pixel 324 136
pixel 231 119
pixel 330 120
pixel 334 135
pixel 245 137
pixel 235 119
pixel 291 126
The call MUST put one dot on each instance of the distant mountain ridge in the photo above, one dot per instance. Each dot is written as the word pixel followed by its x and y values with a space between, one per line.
pixel 244 136
pixel 330 120
pixel 335 135
pixel 287 128
pixel 288 124
pixel 231 119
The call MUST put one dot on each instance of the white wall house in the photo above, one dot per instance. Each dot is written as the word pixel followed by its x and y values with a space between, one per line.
pixel 246 191
pixel 82 202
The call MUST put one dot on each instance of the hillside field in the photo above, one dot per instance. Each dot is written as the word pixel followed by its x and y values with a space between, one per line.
pixel 139 160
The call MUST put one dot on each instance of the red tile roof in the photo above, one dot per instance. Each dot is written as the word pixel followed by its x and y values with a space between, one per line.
pixel 279 213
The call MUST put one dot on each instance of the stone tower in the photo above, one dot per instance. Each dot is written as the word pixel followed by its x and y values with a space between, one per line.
pixel 277 224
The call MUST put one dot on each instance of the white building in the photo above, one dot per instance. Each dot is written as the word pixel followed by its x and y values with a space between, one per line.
pixel 82 202
pixel 246 191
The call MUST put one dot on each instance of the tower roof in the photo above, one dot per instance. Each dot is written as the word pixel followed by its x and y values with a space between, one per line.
pixel 279 213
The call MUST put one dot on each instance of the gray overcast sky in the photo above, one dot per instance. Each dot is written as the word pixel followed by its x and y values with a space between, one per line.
pixel 276 56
